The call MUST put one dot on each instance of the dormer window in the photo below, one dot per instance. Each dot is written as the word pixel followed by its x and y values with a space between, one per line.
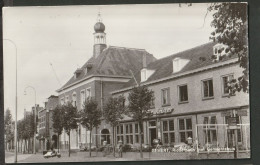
pixel 88 67
pixel 77 73
pixel 145 74
pixel 178 64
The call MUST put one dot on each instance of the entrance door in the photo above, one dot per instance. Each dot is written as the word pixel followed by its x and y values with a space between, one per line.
pixel 152 135
pixel 105 136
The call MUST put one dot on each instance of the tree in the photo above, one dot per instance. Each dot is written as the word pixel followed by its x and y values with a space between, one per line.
pixel 28 128
pixel 69 119
pixel 113 113
pixel 90 116
pixel 140 100
pixel 8 126
pixel 231 29
pixel 57 118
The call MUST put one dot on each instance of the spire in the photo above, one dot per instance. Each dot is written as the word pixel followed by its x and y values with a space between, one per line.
pixel 99 37
pixel 99 19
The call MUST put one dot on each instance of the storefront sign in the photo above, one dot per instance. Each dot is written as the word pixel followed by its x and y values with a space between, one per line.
pixel 242 113
pixel 226 113
pixel 162 111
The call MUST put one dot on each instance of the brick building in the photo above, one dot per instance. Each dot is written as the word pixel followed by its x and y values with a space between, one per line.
pixel 107 70
pixel 45 130
pixel 192 100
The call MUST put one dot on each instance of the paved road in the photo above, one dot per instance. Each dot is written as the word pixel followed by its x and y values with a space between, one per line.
pixel 9 157
pixel 129 156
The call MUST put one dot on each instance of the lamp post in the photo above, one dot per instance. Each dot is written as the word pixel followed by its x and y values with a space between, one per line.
pixel 34 136
pixel 15 123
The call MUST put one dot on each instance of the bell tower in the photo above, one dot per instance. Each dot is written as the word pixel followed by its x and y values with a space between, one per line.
pixel 99 37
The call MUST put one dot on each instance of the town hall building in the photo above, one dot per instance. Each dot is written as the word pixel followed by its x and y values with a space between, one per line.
pixel 109 69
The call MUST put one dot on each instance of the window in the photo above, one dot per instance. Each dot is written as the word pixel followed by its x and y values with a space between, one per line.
pixel 239 134
pixel 166 96
pixel 208 88
pixel 185 129
pixel 82 98
pixel 152 104
pixel 88 93
pixel 42 122
pixel 74 99
pixel 120 133
pixel 62 101
pixel 66 99
pixel 137 134
pixel 168 131
pixel 183 93
pixel 210 129
pixel 129 133
pixel 225 83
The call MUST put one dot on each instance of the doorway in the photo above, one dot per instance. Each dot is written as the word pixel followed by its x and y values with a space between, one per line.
pixel 152 133
pixel 105 136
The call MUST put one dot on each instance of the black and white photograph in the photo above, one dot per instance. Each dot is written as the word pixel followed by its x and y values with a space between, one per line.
pixel 136 82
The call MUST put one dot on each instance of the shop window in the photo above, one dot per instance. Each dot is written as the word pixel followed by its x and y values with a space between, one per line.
pixel 183 93
pixel 165 96
pixel 137 133
pixel 208 88
pixel 168 131
pixel 225 84
pixel 239 134
pixel 119 133
pixel 210 132
pixel 129 133
pixel 185 129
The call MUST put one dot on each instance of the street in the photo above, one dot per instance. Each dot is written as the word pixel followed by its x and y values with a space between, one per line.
pixel 128 156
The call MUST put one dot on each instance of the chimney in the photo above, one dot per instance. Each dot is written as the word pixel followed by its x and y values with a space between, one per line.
pixel 144 61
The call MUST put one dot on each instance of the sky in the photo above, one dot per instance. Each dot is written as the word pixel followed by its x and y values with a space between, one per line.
pixel 63 36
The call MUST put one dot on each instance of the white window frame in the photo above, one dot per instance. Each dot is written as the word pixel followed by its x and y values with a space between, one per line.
pixel 179 93
pixel 167 96
pixel 120 133
pixel 62 102
pixel 168 131
pixel 202 87
pixel 231 75
pixel 185 130
pixel 74 99
pixel 129 134
pixel 82 98
pixel 86 92
pixel 210 128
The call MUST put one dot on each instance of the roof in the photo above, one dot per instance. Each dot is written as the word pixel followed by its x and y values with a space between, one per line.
pixel 113 61
pixel 199 57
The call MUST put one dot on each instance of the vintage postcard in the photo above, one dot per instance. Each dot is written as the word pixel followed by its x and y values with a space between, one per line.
pixel 126 82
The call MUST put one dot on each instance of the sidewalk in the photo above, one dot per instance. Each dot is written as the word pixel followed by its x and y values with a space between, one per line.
pixel 128 156
pixel 20 157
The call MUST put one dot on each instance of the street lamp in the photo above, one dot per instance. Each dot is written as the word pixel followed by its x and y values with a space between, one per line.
pixel 15 123
pixel 34 136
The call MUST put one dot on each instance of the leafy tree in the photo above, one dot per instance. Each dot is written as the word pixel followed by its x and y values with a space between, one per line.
pixel 57 118
pixel 8 126
pixel 90 116
pixel 140 100
pixel 28 128
pixel 113 113
pixel 69 119
pixel 231 28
